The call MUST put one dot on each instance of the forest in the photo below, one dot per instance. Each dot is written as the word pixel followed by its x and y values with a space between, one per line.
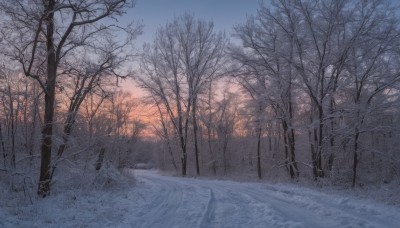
pixel 303 90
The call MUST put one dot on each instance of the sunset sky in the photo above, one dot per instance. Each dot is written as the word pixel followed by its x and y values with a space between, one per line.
pixel 156 13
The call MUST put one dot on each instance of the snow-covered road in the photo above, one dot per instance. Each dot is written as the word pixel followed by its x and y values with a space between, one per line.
pixel 167 202
pixel 183 202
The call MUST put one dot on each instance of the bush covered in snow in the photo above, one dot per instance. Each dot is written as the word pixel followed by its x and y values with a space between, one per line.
pixel 110 177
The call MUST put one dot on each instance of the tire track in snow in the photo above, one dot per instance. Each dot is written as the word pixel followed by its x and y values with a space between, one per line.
pixel 209 213
pixel 283 213
pixel 178 204
pixel 348 211
pixel 254 209
pixel 209 203
pixel 158 212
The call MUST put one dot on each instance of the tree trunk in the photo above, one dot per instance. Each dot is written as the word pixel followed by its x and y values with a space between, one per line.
pixel 3 147
pixel 184 139
pixel 293 166
pixel 166 136
pixel 356 148
pixel 181 130
pixel 290 156
pixel 214 165
pixel 33 131
pixel 286 146
pixel 315 136
pixel 183 161
pixel 213 161
pixel 321 172
pixel 184 155
pixel 269 130
pixel 331 137
pixel 259 152
pixel 67 132
pixel 209 131
pixel 196 147
pixel 312 149
pixel 224 148
pixel 100 160
pixel 47 132
pixel 294 171
pixel 171 155
pixel 12 123
pixel 355 158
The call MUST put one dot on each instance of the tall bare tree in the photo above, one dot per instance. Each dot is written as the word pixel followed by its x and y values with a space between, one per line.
pixel 184 57
pixel 371 71
pixel 203 58
pixel 44 36
pixel 265 72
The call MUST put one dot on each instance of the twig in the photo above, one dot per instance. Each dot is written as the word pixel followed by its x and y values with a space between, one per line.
pixel 4 170
pixel 30 156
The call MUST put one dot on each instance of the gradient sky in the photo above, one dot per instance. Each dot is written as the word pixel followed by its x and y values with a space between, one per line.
pixel 224 13
pixel 156 13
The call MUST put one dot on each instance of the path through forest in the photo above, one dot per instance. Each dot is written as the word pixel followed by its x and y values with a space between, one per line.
pixel 183 202
pixel 164 201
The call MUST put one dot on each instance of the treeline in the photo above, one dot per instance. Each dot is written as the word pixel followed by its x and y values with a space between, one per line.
pixel 61 68
pixel 303 89
pixel 104 129
pixel 316 92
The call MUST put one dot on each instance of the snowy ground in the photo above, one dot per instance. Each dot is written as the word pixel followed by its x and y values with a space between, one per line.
pixel 161 201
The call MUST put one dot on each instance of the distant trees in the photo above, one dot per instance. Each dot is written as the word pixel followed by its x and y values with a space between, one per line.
pixel 19 123
pixel 320 51
pixel 19 111
pixel 317 76
pixel 185 56
pixel 46 37
pixel 226 115
pixel 109 128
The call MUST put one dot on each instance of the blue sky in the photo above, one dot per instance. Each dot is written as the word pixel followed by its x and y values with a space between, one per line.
pixel 224 13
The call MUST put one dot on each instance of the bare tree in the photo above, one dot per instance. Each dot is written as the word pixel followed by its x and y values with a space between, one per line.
pixel 184 57
pixel 57 30
pixel 202 58
pixel 10 102
pixel 124 128
pixel 264 71
pixel 225 123
pixel 320 51
pixel 372 70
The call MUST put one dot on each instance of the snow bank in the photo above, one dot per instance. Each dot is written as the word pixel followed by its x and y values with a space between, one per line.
pixel 111 177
